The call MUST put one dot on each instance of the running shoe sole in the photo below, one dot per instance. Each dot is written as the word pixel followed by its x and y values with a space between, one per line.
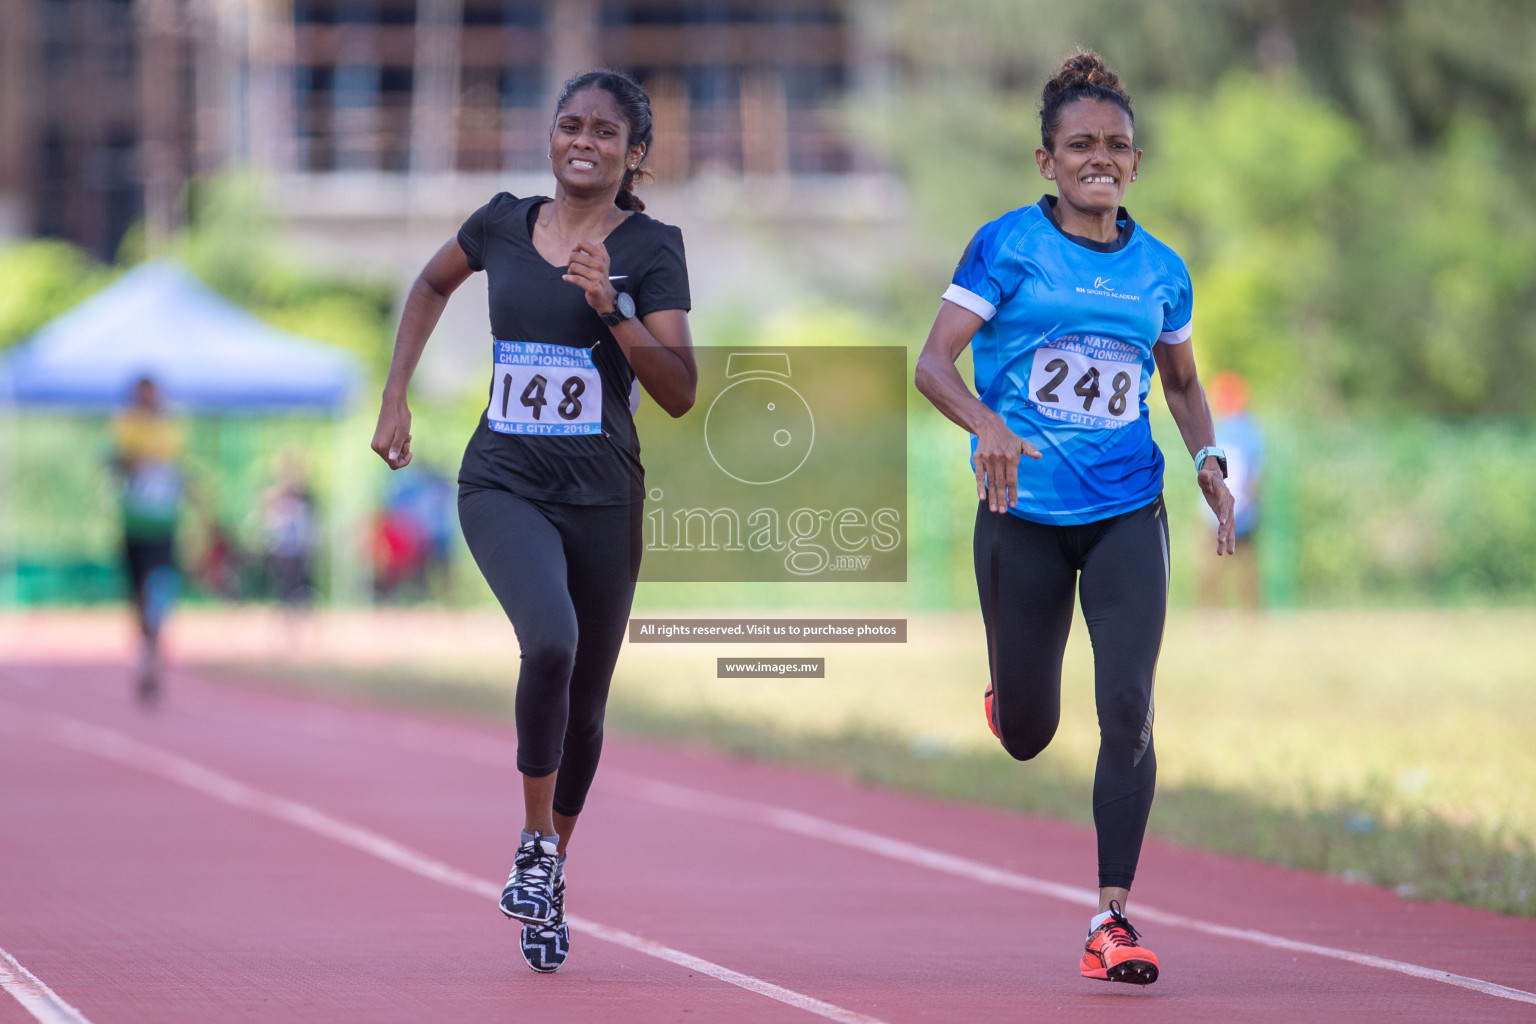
pixel 1132 972
pixel 1114 952
pixel 545 946
pixel 526 911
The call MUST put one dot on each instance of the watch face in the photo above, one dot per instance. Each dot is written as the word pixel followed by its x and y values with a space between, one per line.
pixel 625 303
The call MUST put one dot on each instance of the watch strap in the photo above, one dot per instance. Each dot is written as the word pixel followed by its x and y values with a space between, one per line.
pixel 1210 451
pixel 623 309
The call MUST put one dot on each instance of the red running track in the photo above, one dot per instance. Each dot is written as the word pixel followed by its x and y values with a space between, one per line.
pixel 245 855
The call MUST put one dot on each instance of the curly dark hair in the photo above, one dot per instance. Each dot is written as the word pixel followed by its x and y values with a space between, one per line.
pixel 1084 75
pixel 635 105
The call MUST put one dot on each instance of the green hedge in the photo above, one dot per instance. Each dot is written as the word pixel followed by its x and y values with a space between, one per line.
pixel 1357 512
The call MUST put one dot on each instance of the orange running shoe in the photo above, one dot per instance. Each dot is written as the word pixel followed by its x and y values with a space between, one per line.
pixel 991 722
pixel 1112 952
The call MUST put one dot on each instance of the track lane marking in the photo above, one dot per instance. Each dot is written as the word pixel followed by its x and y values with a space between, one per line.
pixel 35 997
pixel 698 801
pixel 84 737
pixel 469 745
pixel 465 744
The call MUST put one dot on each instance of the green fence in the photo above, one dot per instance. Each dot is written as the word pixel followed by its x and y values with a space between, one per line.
pixel 59 522
pixel 1354 512
pixel 1394 511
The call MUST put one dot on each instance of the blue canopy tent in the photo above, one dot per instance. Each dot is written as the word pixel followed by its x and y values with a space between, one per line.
pixel 207 356
pixel 205 353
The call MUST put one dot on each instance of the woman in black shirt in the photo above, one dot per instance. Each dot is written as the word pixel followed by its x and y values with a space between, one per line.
pixel 588 300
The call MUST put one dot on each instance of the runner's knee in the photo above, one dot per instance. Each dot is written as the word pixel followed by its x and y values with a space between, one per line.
pixel 549 657
pixel 1025 736
pixel 1123 715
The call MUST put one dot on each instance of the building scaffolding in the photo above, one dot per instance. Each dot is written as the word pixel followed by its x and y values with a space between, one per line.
pixel 108 108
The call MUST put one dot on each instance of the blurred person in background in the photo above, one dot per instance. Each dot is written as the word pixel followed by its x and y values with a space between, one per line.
pixel 1073 306
pixel 1242 435
pixel 399 548
pixel 290 531
pixel 588 300
pixel 422 507
pixel 147 452
pixel 220 571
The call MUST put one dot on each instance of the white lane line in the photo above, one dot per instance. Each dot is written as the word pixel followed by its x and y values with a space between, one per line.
pixel 697 801
pixel 465 744
pixel 36 998
pixel 449 741
pixel 90 739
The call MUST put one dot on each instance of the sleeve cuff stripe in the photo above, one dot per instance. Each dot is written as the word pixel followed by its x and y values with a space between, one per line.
pixel 1178 336
pixel 971 301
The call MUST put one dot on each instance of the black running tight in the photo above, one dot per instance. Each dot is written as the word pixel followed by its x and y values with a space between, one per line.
pixel 1026 573
pixel 565 575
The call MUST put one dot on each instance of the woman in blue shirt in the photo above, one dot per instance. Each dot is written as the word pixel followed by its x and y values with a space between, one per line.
pixel 1070 306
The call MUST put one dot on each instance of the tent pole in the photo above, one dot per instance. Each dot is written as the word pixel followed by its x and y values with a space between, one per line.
pixel 336 519
pixel 347 517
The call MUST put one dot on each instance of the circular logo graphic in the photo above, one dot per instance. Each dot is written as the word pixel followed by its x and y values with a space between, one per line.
pixel 759 430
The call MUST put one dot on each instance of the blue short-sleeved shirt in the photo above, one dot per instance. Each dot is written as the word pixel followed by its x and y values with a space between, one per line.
pixel 1065 355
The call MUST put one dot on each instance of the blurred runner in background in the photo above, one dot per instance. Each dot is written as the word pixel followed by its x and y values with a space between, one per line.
pixel 147 456
pixel 290 529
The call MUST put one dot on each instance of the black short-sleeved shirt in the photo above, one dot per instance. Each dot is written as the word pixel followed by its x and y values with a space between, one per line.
pixel 530 303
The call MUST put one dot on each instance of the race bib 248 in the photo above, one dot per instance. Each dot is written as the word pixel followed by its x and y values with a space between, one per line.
pixel 544 389
pixel 1087 380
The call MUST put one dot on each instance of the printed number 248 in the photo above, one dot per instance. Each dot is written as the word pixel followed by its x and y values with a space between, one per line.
pixel 1087 387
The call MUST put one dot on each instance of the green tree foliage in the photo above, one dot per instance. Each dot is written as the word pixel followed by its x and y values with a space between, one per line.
pixel 231 245
pixel 1250 184
pixel 43 277
pixel 1407 69
pixel 1339 274
pixel 1342 178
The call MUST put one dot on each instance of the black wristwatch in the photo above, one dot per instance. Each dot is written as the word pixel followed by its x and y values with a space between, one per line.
pixel 623 309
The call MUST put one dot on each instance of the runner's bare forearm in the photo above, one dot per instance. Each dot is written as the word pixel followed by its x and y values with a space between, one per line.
pixel 423 308
pixel 445 271
pixel 660 351
pixel 1186 398
pixel 938 378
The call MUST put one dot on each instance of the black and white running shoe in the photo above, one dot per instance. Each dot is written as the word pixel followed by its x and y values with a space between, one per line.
pixel 529 895
pixel 545 946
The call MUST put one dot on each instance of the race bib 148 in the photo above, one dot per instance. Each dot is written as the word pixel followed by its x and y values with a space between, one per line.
pixel 1087 380
pixel 544 389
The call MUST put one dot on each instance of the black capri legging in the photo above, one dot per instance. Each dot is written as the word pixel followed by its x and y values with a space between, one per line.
pixel 565 575
pixel 1026 573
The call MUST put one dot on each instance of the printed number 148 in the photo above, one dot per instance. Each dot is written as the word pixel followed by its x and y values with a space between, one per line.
pixel 533 396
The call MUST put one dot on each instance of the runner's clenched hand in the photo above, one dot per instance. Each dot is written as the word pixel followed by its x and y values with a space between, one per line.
pixel 588 270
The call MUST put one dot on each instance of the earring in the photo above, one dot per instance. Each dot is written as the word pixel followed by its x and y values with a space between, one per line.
pixel 1133 175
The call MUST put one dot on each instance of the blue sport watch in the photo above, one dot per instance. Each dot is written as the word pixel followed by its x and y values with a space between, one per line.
pixel 1208 451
